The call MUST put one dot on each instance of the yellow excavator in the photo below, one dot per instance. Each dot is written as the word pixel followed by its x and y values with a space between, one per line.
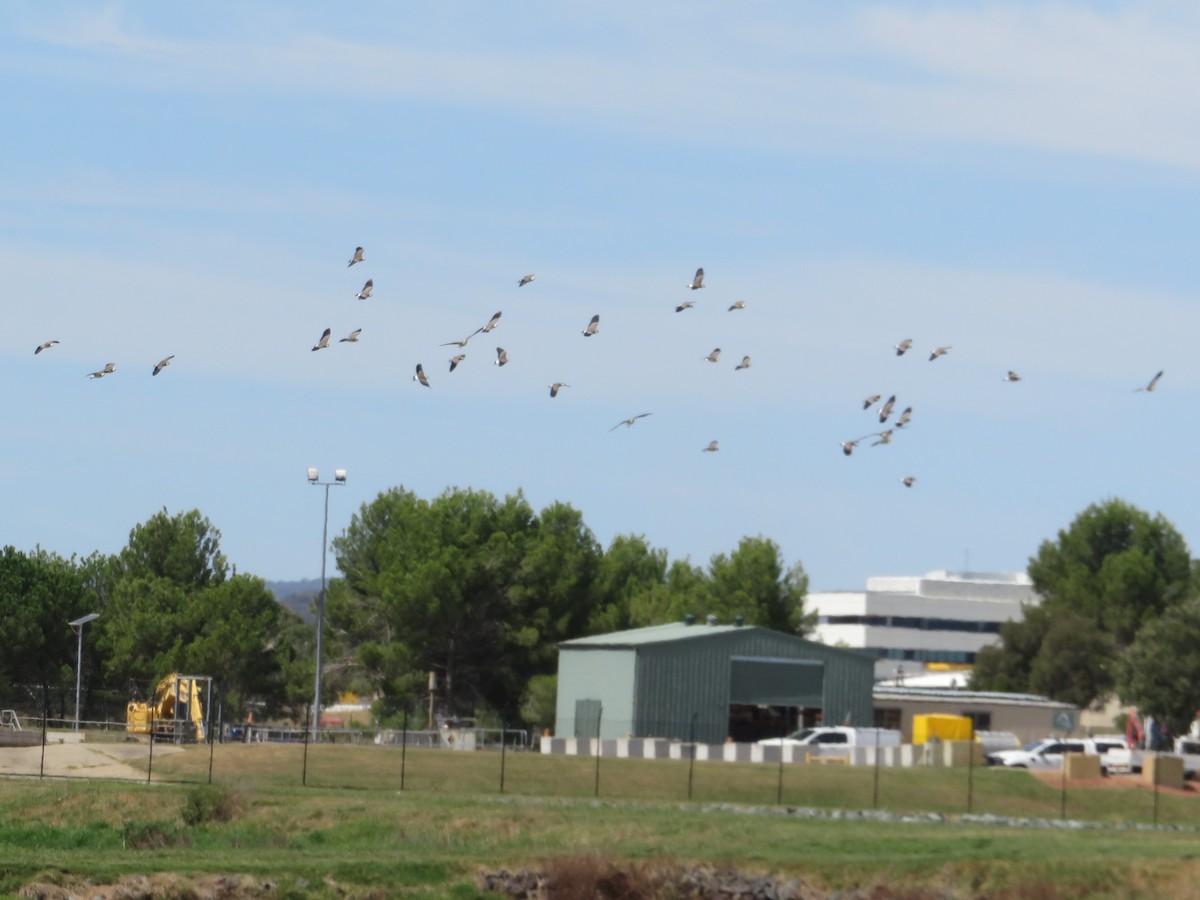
pixel 174 712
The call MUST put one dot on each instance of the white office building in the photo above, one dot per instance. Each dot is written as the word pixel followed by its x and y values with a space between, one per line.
pixel 936 621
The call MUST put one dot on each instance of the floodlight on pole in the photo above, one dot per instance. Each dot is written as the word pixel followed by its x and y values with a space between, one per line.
pixel 78 626
pixel 314 478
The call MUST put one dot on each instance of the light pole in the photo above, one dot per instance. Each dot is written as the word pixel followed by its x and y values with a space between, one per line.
pixel 78 626
pixel 339 478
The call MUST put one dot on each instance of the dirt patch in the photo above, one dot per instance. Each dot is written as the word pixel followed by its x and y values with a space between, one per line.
pixel 160 886
pixel 116 760
pixel 1109 782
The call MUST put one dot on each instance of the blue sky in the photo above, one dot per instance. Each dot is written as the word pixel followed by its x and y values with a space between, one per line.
pixel 1018 181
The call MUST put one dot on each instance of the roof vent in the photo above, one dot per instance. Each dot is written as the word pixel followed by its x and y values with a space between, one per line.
pixel 739 621
pixel 710 619
pixel 689 619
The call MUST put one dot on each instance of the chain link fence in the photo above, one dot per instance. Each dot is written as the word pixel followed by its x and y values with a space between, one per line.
pixel 41 738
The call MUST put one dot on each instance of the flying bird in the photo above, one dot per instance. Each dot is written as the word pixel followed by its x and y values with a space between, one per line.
pixel 885 437
pixel 556 387
pixel 108 369
pixel 903 347
pixel 45 346
pixel 324 341
pixel 744 364
pixel 714 356
pixel 1151 386
pixel 162 364
pixel 366 290
pixel 737 304
pixel 904 417
pixel 525 279
pixel 357 257
pixel 501 357
pixel 940 351
pixel 455 360
pixel 593 326
pixel 462 343
pixel 420 376
pixel 1012 376
pixel 848 446
pixel 711 448
pixel 351 338
pixel 492 323
pixel 908 480
pixel 886 409
pixel 628 422
pixel 686 304
pixel 697 281
pixel 872 400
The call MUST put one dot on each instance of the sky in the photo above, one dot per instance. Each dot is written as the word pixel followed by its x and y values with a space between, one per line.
pixel 1018 181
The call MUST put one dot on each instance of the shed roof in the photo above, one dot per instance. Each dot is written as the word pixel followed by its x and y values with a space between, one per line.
pixel 657 634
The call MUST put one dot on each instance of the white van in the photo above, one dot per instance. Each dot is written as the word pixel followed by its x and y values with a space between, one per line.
pixel 837 735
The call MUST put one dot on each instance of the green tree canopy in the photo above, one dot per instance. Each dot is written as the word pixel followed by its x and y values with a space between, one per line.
pixel 1160 672
pixel 476 589
pixel 168 606
pixel 39 594
pixel 1116 565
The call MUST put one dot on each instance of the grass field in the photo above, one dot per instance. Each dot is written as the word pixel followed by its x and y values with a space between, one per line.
pixel 353 832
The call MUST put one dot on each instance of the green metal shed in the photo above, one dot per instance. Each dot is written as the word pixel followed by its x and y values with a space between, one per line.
pixel 707 682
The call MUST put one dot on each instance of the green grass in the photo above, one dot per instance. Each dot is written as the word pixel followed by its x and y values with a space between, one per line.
pixel 353 829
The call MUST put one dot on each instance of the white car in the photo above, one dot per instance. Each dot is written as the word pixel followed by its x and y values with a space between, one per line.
pixel 837 735
pixel 1048 752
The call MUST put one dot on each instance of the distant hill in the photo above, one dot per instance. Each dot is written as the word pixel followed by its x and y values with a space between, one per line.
pixel 298 596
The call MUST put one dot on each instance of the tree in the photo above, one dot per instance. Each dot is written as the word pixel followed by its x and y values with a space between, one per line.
pixel 1075 661
pixel 752 582
pixel 1117 566
pixel 1160 672
pixel 167 605
pixel 1064 656
pixel 183 549
pixel 476 589
pixel 39 594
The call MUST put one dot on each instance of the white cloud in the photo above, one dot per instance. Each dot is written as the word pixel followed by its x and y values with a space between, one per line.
pixel 1065 78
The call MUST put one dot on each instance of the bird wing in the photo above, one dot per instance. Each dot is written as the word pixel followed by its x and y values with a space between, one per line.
pixel 492 323
pixel 1154 381
pixel 698 280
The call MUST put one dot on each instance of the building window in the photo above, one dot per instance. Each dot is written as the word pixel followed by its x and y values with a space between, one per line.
pixel 980 721
pixel 915 623
pixel 887 718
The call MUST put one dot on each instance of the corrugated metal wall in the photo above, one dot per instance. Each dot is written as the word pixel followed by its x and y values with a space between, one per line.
pixel 681 688
pixel 679 680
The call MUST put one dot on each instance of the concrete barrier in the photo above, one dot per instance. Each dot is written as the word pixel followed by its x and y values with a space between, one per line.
pixel 1081 766
pixel 1165 771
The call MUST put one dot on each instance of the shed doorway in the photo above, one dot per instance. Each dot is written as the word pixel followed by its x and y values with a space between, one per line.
pixel 771 697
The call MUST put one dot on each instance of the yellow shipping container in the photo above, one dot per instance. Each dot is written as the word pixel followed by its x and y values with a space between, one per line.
pixel 946 728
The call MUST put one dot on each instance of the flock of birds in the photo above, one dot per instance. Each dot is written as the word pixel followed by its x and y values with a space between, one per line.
pixel 884 411
pixel 590 330
pixel 888 406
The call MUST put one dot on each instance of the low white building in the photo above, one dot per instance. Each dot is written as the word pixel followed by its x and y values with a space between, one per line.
pixel 938 620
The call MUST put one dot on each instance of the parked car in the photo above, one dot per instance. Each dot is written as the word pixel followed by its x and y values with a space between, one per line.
pixel 1047 753
pixel 838 735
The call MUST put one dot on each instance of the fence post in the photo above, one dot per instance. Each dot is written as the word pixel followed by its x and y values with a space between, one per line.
pixel 502 730
pixel 212 744
pixel 779 782
pixel 971 775
pixel 1154 762
pixel 692 752
pixel 403 748
pixel 150 761
pixel 1062 813
pixel 304 768
pixel 875 785
pixel 599 713
pixel 45 719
